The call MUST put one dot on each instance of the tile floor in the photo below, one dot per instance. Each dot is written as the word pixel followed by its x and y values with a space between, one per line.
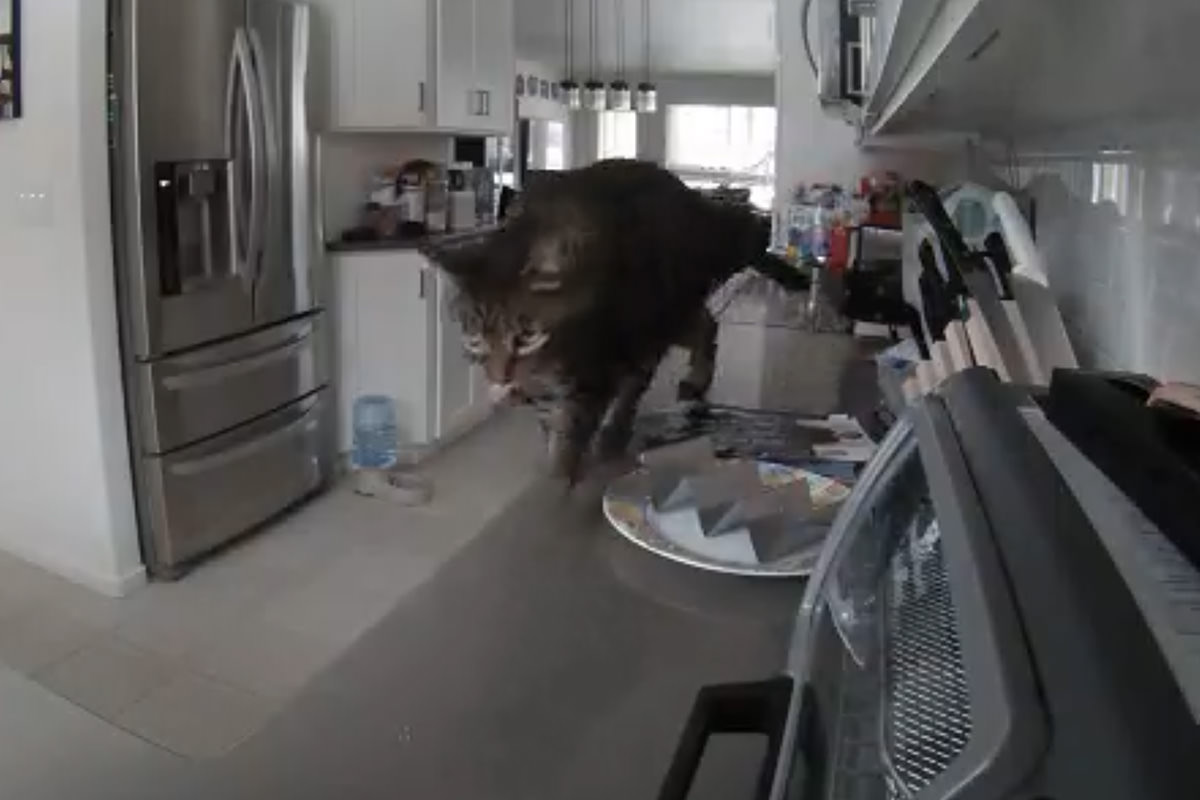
pixel 198 666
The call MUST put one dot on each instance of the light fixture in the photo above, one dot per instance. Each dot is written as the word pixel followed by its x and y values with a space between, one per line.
pixel 619 96
pixel 595 97
pixel 646 99
pixel 572 98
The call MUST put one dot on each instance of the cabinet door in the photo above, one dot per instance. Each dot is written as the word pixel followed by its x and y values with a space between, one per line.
pixel 458 98
pixel 394 336
pixel 391 46
pixel 496 64
pixel 455 395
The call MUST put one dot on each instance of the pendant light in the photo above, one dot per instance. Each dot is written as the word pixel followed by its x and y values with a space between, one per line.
pixel 572 97
pixel 595 98
pixel 619 96
pixel 646 100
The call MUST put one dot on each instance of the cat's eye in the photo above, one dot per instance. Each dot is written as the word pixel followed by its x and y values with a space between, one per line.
pixel 529 342
pixel 475 345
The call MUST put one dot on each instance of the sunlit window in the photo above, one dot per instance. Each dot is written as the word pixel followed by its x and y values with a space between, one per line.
pixel 617 134
pixel 709 146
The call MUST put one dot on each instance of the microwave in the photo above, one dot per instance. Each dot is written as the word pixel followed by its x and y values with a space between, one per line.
pixel 840 49
pixel 977 627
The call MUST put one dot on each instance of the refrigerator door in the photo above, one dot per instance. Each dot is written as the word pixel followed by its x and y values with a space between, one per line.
pixel 278 35
pixel 187 122
pixel 203 392
pixel 203 495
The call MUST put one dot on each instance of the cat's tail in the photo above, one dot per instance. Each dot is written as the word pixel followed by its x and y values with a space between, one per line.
pixel 781 271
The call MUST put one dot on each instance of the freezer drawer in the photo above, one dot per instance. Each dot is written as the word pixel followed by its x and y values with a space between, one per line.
pixel 192 396
pixel 202 496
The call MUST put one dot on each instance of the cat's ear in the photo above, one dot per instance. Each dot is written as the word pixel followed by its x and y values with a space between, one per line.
pixel 458 258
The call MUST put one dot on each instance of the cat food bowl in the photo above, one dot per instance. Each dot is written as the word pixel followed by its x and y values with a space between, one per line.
pixel 399 486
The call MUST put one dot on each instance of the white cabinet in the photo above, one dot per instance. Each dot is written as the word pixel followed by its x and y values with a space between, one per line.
pixel 496 61
pixel 476 65
pixel 377 57
pixel 415 64
pixel 397 338
pixel 461 388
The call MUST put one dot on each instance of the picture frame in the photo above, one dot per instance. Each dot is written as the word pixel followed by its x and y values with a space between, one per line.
pixel 10 59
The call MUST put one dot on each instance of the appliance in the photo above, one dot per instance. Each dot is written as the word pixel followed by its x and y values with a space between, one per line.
pixel 842 59
pixel 222 332
pixel 989 619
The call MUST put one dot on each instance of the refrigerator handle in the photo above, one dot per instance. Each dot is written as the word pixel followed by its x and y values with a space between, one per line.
pixel 269 164
pixel 242 115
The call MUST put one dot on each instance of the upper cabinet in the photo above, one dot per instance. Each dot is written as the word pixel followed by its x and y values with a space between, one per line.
pixel 415 64
pixel 1006 69
pixel 374 56
pixel 476 65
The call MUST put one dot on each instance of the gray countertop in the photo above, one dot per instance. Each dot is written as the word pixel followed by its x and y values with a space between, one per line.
pixel 408 243
pixel 551 659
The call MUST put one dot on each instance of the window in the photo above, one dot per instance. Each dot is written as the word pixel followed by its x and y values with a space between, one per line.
pixel 734 145
pixel 617 134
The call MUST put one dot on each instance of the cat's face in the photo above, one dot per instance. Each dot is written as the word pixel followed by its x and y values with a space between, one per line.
pixel 508 344
pixel 510 299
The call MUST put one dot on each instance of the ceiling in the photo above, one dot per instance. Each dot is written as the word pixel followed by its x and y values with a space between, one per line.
pixel 687 36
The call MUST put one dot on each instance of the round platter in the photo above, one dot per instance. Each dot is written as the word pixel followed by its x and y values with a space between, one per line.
pixel 628 509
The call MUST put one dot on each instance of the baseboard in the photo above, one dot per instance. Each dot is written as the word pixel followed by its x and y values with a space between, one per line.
pixel 108 585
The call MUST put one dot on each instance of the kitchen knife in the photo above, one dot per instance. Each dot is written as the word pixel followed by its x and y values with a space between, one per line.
pixel 998 255
pixel 991 334
pixel 957 346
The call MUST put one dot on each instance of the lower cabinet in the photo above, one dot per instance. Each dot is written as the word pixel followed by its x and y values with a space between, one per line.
pixel 397 336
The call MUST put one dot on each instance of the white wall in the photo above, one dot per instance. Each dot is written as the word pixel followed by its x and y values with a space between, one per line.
pixel 1120 233
pixel 813 146
pixel 725 36
pixel 66 498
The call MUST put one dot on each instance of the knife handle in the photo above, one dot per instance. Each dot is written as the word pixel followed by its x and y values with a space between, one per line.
pixel 959 346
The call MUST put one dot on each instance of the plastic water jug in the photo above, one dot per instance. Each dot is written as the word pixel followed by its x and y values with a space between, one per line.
pixel 374 432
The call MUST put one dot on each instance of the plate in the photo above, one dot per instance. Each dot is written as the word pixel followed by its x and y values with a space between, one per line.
pixel 627 508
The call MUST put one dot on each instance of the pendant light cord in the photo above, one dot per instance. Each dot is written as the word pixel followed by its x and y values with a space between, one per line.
pixel 621 40
pixel 646 38
pixel 592 41
pixel 568 38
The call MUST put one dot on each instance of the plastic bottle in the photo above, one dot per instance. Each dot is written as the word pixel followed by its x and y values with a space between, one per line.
pixel 375 442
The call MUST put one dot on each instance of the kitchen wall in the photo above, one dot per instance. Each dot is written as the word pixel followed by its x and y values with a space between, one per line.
pixel 349 160
pixel 66 498
pixel 816 147
pixel 1118 217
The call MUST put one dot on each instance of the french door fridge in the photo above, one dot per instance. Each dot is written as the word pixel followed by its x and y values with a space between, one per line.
pixel 215 253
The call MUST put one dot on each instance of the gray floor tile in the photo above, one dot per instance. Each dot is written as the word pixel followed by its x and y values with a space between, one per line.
pixel 322 611
pixel 197 717
pixel 41 636
pixel 177 619
pixel 107 677
pixel 266 659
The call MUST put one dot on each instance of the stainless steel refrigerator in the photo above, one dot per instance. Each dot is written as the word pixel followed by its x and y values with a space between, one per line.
pixel 215 249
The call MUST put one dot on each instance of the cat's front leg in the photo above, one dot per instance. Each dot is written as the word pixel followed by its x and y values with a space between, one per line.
pixel 572 427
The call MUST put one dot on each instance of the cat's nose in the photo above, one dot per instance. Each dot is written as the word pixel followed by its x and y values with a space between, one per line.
pixel 502 392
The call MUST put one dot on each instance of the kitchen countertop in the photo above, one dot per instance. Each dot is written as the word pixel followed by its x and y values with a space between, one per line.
pixel 409 243
pixel 550 659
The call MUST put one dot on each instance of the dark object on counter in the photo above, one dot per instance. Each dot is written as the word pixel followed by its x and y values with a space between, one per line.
pixel 774 436
pixel 1151 454
pixel 875 295
pixel 508 196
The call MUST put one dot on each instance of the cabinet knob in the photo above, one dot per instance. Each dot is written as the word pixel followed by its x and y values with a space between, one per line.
pixel 421 96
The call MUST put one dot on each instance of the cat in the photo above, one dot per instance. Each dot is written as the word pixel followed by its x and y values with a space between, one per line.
pixel 572 303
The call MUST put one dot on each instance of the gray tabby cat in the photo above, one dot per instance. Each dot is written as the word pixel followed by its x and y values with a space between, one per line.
pixel 574 301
